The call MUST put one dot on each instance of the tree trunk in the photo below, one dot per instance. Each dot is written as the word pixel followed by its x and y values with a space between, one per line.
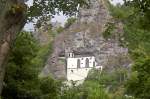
pixel 12 20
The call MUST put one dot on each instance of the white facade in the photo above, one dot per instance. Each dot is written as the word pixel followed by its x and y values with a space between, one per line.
pixel 72 63
pixel 79 67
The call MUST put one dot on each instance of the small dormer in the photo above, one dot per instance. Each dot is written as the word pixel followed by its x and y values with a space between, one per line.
pixel 70 55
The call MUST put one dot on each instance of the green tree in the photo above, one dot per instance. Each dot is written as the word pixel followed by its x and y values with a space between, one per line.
pixel 134 14
pixel 87 90
pixel 72 92
pixel 112 81
pixel 15 13
pixel 138 84
pixel 109 30
pixel 21 78
pixel 141 9
pixel 50 88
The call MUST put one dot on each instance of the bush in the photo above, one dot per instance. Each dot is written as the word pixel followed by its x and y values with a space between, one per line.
pixel 69 22
pixel 138 84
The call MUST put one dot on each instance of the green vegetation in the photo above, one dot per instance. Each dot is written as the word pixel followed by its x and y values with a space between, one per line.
pixel 112 81
pixel 27 58
pixel 14 14
pixel 59 29
pixel 47 7
pixel 42 55
pixel 99 85
pixel 142 11
pixel 50 88
pixel 137 39
pixel 109 30
pixel 69 22
pixel 21 80
pixel 139 82
pixel 90 89
pixel 21 74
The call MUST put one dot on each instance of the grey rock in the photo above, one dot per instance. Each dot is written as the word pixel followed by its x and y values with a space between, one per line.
pixel 84 37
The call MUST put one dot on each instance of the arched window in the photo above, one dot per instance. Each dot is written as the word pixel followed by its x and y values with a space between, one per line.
pixel 78 63
pixel 87 63
pixel 93 64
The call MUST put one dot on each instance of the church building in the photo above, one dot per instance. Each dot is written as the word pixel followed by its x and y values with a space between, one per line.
pixel 79 67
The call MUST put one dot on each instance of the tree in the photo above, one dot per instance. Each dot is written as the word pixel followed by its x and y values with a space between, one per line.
pixel 98 85
pixel 50 88
pixel 21 79
pixel 142 9
pixel 138 84
pixel 137 39
pixel 15 13
pixel 87 90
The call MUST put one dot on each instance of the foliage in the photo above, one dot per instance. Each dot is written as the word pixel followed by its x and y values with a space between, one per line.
pixel 111 80
pixel 59 29
pixel 99 85
pixel 69 22
pixel 121 12
pixel 44 8
pixel 21 80
pixel 42 55
pixel 142 9
pixel 50 88
pixel 21 76
pixel 139 83
pixel 137 37
pixel 95 90
pixel 88 90
pixel 56 31
pixel 109 30
pixel 74 92
pixel 138 40
pixel 136 33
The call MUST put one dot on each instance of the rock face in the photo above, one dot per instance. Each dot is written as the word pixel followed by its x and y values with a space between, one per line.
pixel 85 37
pixel 42 33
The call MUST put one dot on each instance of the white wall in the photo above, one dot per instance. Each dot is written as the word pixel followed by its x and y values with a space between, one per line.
pixel 72 62
pixel 77 74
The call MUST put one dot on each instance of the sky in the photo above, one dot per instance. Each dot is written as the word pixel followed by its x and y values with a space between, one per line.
pixel 60 18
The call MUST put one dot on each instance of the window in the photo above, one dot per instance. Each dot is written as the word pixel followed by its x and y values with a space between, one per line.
pixel 87 63
pixel 93 64
pixel 78 63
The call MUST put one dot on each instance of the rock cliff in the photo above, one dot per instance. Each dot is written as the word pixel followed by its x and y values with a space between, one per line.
pixel 85 36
